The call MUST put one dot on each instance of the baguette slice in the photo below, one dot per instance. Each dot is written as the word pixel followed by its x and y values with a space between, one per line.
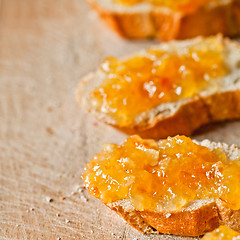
pixel 197 218
pixel 145 20
pixel 183 116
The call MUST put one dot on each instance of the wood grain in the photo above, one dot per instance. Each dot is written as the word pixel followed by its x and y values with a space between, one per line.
pixel 46 46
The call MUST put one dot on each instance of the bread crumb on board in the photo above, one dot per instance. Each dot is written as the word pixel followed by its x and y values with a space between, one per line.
pixel 77 189
pixel 49 199
pixel 113 234
pixel 83 198
pixel 67 221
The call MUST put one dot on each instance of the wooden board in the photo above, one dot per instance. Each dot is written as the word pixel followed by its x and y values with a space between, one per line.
pixel 46 46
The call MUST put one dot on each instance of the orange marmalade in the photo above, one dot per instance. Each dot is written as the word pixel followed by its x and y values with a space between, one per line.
pixel 222 233
pixel 164 175
pixel 186 6
pixel 147 80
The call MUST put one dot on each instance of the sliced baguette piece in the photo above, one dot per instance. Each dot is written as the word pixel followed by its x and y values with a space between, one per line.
pixel 144 20
pixel 183 116
pixel 197 218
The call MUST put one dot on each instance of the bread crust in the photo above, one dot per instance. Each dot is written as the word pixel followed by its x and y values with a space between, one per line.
pixel 185 223
pixel 189 117
pixel 168 25
pixel 191 223
pixel 194 220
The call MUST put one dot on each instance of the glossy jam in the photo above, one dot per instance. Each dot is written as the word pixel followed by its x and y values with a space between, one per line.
pixel 222 233
pixel 155 77
pixel 162 176
pixel 186 6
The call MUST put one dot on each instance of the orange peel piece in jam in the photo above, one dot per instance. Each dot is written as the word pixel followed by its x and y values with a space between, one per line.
pixel 154 77
pixel 222 233
pixel 164 175
pixel 185 6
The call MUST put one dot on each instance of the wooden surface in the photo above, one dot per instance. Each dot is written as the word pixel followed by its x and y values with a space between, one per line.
pixel 46 46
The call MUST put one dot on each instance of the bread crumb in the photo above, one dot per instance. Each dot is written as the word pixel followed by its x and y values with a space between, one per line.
pixel 58 214
pixel 49 199
pixel 30 210
pixel 80 189
pixel 73 193
pixel 83 198
pixel 67 221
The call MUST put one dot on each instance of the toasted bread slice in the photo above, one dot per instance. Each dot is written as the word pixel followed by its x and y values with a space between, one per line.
pixel 194 219
pixel 185 115
pixel 146 20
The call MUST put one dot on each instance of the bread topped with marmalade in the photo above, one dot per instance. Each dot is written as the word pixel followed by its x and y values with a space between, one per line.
pixel 169 89
pixel 174 186
pixel 170 19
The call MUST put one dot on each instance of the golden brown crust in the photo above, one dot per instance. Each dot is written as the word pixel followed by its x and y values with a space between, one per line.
pixel 223 105
pixel 218 107
pixel 133 218
pixel 173 25
pixel 183 122
pixel 185 223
